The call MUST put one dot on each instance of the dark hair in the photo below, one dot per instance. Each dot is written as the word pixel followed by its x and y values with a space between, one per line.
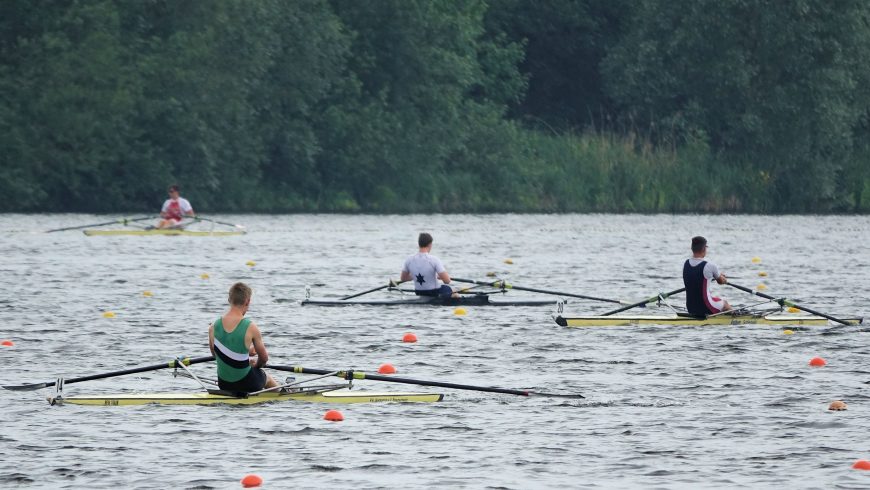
pixel 424 240
pixel 698 244
pixel 173 188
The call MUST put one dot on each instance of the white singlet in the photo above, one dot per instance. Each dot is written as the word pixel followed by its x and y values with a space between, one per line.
pixel 424 270
pixel 711 273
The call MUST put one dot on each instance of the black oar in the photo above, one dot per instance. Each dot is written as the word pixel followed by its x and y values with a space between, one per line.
pixel 391 284
pixel 171 364
pixel 122 221
pixel 644 302
pixel 375 377
pixel 785 302
pixel 504 285
pixel 218 222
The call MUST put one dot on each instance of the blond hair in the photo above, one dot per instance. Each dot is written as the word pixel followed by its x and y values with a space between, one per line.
pixel 240 293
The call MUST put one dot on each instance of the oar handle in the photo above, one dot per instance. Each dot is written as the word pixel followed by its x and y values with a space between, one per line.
pixel 785 302
pixel 351 374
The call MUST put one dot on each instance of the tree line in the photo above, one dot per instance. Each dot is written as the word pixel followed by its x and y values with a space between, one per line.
pixel 436 105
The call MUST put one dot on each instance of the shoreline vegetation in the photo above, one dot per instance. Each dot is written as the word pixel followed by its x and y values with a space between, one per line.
pixel 418 106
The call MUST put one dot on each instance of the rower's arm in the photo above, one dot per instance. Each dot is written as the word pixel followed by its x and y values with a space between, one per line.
pixel 406 276
pixel 444 276
pixel 259 347
pixel 211 338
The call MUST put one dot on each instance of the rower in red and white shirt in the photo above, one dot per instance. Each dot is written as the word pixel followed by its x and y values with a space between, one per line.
pixel 698 276
pixel 174 209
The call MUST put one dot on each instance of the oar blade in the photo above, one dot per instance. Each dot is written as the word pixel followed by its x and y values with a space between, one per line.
pixel 29 387
pixel 570 396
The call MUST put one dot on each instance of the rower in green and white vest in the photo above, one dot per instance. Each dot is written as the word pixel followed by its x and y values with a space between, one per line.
pixel 237 346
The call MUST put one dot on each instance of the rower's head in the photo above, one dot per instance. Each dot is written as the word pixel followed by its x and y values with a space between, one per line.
pixel 173 191
pixel 240 295
pixel 424 241
pixel 699 246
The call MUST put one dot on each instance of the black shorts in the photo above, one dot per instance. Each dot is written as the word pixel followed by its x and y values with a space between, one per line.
pixel 255 380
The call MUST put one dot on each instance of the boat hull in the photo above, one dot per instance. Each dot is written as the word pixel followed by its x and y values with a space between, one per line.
pixel 166 232
pixel 677 320
pixel 204 398
pixel 474 300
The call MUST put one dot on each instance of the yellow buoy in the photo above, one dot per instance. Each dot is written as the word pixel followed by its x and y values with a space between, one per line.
pixel 761 287
pixel 108 314
pixel 756 260
pixel 490 274
pixel 459 311
pixel 147 294
pixel 792 309
pixel 788 332
pixel 250 263
pixel 762 274
pixel 203 276
pixel 508 261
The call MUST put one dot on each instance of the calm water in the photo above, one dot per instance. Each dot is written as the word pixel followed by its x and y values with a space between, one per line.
pixel 666 407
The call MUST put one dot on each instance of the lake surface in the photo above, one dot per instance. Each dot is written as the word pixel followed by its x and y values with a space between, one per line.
pixel 665 407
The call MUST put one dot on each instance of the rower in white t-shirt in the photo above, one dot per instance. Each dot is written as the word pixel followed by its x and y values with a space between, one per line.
pixel 426 270
pixel 174 209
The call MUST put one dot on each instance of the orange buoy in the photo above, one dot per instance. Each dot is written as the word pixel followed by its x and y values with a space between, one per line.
pixel 817 362
pixel 861 464
pixel 838 405
pixel 252 481
pixel 387 368
pixel 409 338
pixel 333 416
pixel 7 343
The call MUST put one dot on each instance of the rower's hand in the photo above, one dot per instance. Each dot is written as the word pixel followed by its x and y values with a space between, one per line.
pixel 253 360
pixel 722 279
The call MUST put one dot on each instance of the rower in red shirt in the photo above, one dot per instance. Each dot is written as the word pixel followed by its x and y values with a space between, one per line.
pixel 174 209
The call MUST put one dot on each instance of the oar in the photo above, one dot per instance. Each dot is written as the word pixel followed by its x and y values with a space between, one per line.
pixel 122 221
pixel 349 375
pixel 171 364
pixel 648 300
pixel 504 285
pixel 391 284
pixel 785 302
pixel 218 222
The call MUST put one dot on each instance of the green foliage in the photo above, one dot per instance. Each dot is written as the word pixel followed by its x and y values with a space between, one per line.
pixel 436 106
